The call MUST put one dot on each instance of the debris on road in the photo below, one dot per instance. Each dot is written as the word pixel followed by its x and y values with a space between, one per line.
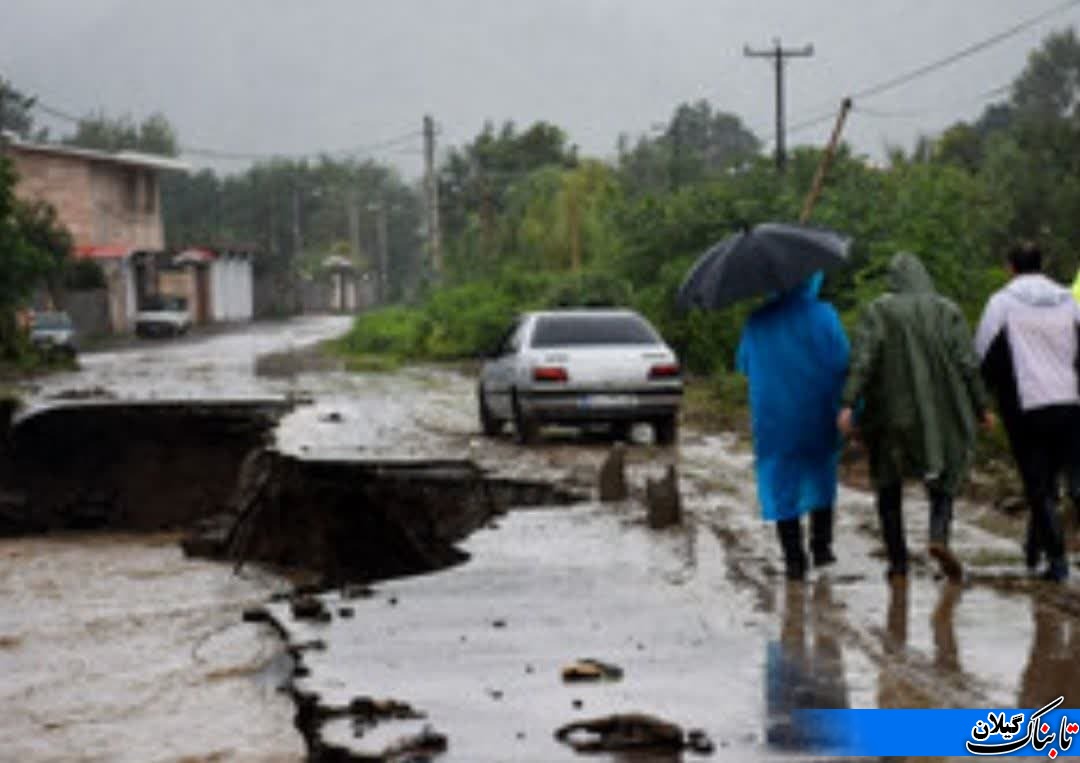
pixel 663 500
pixel 589 669
pixel 623 732
pixel 83 393
pixel 612 477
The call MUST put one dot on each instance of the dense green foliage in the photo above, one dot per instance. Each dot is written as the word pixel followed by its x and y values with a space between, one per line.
pixel 586 232
pixel 296 213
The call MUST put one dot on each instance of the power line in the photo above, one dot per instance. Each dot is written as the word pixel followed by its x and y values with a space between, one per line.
pixel 961 54
pixel 892 83
pixel 227 155
pixel 930 110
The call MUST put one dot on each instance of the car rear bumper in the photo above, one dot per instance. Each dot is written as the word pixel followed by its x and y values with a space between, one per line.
pixel 597 405
pixel 157 328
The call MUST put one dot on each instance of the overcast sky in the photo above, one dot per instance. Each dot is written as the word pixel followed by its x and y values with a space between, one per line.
pixel 288 77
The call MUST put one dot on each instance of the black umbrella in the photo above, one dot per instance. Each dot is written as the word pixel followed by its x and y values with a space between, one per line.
pixel 770 257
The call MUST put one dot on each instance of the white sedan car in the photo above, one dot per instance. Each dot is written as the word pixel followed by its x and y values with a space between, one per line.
pixel 581 367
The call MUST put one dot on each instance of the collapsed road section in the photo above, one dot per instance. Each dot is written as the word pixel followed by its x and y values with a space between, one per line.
pixel 131 465
pixel 359 521
pixel 208 466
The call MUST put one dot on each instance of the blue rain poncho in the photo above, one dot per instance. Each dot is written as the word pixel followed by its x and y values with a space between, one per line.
pixel 795 355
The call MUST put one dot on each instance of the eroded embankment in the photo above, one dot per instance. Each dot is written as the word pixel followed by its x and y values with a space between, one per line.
pixel 139 466
pixel 357 521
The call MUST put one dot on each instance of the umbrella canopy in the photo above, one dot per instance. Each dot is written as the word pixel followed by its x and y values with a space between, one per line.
pixel 771 257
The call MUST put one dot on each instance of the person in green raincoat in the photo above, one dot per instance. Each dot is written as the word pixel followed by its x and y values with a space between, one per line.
pixel 1076 286
pixel 915 393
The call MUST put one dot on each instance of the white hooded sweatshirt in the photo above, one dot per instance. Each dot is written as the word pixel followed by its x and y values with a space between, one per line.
pixel 1040 320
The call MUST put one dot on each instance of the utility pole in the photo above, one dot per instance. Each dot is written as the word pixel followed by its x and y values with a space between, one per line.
pixel 431 188
pixel 382 244
pixel 352 210
pixel 779 55
pixel 298 242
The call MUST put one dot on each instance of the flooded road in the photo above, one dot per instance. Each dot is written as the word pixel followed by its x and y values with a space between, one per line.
pixel 148 659
pixel 118 648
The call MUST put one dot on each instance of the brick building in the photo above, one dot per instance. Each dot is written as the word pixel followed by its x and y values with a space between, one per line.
pixel 111 203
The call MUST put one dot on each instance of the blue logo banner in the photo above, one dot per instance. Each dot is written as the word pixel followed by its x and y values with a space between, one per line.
pixel 1049 731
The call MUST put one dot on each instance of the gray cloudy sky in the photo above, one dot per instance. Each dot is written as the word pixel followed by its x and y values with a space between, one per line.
pixel 296 77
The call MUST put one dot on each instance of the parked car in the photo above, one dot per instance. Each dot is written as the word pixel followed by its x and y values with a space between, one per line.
pixel 53 332
pixel 581 367
pixel 163 316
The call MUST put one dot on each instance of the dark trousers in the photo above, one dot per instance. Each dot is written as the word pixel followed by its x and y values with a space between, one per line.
pixel 1047 451
pixel 889 505
pixel 789 532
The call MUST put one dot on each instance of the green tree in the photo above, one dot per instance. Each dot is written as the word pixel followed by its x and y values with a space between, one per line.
pixel 16 113
pixel 697 144
pixel 23 266
pixel 476 180
pixel 154 135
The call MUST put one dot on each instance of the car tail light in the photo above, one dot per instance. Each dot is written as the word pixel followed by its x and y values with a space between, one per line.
pixel 664 371
pixel 550 374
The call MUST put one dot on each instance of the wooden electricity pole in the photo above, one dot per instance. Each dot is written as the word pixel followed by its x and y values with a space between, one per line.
pixel 826 162
pixel 779 55
pixel 431 188
pixel 383 245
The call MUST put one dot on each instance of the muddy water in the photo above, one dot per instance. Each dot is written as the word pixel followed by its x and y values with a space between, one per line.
pixel 183 676
pixel 117 648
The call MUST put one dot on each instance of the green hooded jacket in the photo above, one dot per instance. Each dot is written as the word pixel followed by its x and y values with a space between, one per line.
pixel 914 382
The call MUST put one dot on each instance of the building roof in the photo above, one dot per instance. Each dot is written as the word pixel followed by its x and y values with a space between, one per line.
pixel 105 252
pixel 127 158
pixel 196 254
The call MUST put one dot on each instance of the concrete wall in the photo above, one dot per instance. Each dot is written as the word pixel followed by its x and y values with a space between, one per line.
pixel 89 311
pixel 232 286
pixel 99 202
pixel 276 295
pixel 123 302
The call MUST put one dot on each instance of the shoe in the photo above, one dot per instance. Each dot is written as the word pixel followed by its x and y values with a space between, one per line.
pixel 795 573
pixel 824 558
pixel 1057 572
pixel 950 565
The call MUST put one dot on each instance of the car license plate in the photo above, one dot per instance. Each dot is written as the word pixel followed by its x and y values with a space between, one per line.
pixel 607 401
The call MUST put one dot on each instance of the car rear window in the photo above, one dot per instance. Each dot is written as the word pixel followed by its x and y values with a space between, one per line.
pixel 581 330
pixel 52 321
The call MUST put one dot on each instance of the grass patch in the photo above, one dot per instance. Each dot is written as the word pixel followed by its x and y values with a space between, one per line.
pixel 717 403
pixel 371 363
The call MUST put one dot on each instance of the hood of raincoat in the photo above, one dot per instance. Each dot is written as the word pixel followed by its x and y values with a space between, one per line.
pixel 808 289
pixel 1036 290
pixel 907 275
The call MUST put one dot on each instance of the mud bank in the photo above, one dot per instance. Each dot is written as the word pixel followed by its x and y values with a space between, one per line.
pixel 137 466
pixel 359 521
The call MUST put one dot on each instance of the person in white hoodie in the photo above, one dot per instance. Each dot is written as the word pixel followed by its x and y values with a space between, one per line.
pixel 1029 344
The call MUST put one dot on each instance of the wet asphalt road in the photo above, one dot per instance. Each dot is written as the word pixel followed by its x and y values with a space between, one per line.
pixel 707 633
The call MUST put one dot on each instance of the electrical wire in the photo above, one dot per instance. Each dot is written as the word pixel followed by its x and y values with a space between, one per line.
pixel 894 82
pixel 961 54
pixel 226 155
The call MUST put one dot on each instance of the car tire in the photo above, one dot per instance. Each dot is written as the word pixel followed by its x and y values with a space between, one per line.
pixel 666 429
pixel 489 424
pixel 526 429
pixel 621 430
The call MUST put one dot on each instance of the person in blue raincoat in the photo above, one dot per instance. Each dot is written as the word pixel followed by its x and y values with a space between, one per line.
pixel 795 355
